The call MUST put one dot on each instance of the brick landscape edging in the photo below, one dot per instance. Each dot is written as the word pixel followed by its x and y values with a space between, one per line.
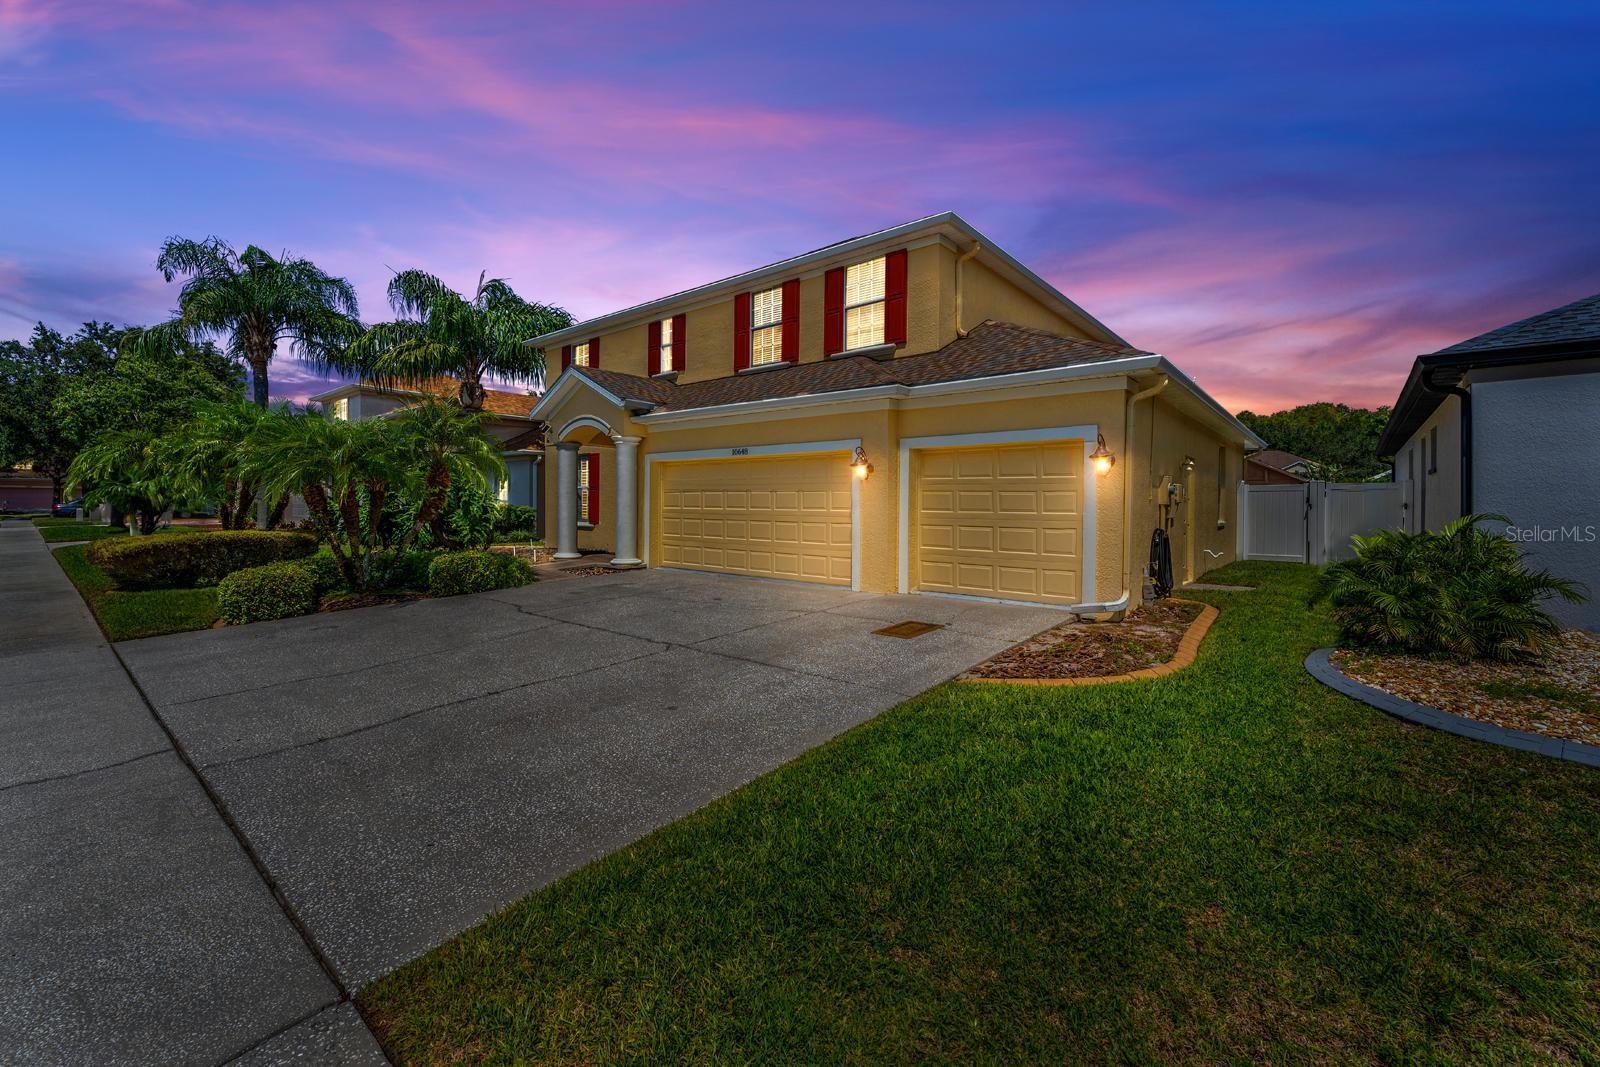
pixel 1188 648
pixel 1321 667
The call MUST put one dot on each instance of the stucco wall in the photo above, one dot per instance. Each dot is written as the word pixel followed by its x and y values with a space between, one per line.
pixel 930 318
pixel 1433 497
pixel 1163 438
pixel 1535 451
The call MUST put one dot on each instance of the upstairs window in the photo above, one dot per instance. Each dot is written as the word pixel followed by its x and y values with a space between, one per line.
pixel 766 327
pixel 667 364
pixel 580 355
pixel 341 409
pixel 863 304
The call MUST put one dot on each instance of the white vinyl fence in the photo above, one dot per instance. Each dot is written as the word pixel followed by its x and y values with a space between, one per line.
pixel 1313 522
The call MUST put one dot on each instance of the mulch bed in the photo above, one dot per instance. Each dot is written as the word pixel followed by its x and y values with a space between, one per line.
pixel 1147 637
pixel 1558 696
pixel 346 601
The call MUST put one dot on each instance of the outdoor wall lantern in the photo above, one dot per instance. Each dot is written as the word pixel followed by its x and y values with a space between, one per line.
pixel 859 464
pixel 1103 458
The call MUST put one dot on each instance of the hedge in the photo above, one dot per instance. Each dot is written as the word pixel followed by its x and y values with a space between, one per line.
pixel 164 561
pixel 454 573
pixel 273 591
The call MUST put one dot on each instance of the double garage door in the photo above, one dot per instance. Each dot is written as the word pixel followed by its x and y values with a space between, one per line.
pixel 1002 522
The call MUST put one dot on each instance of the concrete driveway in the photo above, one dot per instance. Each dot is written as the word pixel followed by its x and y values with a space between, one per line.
pixel 403 771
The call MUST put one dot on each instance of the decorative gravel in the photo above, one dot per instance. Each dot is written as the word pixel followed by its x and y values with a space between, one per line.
pixel 1558 696
pixel 1147 637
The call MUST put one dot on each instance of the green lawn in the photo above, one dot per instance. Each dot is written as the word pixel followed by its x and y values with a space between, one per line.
pixel 1231 863
pixel 125 615
pixel 78 531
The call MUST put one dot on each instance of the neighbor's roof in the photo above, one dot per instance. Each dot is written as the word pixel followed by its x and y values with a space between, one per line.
pixel 991 350
pixel 947 224
pixel 495 401
pixel 1577 321
pixel 1569 332
pixel 1277 458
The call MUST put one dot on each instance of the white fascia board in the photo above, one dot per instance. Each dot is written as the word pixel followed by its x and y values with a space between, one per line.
pixel 336 393
pixel 947 224
pixel 1246 436
pixel 849 397
pixel 569 380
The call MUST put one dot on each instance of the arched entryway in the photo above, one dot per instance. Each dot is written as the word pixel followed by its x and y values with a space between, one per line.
pixel 588 432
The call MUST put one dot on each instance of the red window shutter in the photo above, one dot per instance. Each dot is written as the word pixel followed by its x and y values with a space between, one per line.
pixel 594 351
pixel 741 331
pixel 680 342
pixel 833 311
pixel 894 298
pixel 566 356
pixel 652 350
pixel 791 321
pixel 593 517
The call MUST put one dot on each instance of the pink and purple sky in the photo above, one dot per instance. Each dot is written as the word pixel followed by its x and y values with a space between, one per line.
pixel 1289 200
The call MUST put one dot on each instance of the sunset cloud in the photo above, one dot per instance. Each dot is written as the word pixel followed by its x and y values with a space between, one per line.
pixel 1290 210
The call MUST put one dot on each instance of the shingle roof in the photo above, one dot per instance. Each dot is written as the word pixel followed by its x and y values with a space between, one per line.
pixel 1277 458
pixel 495 401
pixel 992 348
pixel 1577 321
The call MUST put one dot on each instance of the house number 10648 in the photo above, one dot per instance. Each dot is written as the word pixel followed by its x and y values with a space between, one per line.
pixel 741 451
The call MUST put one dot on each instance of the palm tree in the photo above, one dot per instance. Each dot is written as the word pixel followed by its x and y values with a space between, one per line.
pixel 437 331
pixel 204 456
pixel 121 469
pixel 255 300
pixel 449 446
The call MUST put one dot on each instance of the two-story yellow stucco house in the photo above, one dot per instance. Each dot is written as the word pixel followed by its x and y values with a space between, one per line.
pixel 912 410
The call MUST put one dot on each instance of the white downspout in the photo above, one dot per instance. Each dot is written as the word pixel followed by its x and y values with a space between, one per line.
pixel 968 254
pixel 1127 489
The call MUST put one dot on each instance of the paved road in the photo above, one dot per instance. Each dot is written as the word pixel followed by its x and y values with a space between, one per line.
pixel 134 927
pixel 403 771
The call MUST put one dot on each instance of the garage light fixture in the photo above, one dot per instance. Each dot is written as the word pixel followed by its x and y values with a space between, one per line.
pixel 859 464
pixel 1103 459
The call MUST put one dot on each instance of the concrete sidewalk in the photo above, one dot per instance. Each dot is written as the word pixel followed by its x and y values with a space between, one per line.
pixel 134 925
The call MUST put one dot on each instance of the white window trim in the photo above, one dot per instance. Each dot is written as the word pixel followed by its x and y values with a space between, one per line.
pixel 847 447
pixel 776 325
pixel 1084 435
pixel 585 346
pixel 844 320
pixel 666 351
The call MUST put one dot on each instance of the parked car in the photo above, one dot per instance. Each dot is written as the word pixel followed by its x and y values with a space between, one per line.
pixel 67 508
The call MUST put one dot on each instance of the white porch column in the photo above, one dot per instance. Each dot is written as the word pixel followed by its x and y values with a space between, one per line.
pixel 567 500
pixel 627 501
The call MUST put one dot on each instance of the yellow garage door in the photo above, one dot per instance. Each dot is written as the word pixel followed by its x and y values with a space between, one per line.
pixel 1002 522
pixel 784 517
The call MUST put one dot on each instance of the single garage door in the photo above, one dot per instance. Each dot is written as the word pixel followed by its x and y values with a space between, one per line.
pixel 1004 522
pixel 781 517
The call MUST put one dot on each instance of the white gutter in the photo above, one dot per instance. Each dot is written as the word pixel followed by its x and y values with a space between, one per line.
pixel 960 262
pixel 1127 485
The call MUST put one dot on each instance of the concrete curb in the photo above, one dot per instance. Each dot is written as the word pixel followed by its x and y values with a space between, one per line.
pixel 1188 648
pixel 1320 667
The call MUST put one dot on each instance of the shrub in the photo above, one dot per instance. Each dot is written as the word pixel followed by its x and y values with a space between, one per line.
pixel 1463 593
pixel 514 518
pixel 188 559
pixel 454 573
pixel 410 570
pixel 325 569
pixel 272 591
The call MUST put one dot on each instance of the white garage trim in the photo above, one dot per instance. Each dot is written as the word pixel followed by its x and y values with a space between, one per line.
pixel 755 452
pixel 1085 435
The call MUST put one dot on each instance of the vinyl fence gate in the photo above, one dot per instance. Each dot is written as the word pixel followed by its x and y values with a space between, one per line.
pixel 1313 522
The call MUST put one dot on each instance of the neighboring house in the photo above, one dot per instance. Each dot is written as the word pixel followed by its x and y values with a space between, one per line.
pixel 910 410
pixel 521 437
pixel 1506 423
pixel 23 490
pixel 1273 466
